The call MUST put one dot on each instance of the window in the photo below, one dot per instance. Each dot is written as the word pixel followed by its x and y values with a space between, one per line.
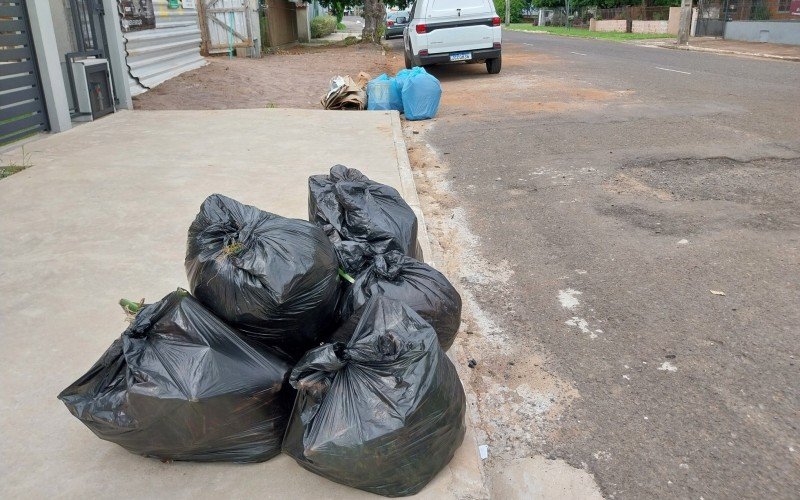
pixel 783 5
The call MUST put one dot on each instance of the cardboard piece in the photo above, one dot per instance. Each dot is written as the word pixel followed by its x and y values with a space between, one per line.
pixel 347 94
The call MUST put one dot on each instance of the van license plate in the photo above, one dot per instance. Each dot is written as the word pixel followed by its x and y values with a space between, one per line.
pixel 461 56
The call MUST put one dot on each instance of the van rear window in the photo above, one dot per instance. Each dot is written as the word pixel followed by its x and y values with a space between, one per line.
pixel 457 4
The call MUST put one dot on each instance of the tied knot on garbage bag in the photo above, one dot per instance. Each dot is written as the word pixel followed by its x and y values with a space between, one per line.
pixel 383 412
pixel 273 278
pixel 388 265
pixel 361 217
pixel 179 384
pixel 396 276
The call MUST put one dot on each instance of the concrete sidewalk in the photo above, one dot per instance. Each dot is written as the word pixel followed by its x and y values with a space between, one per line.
pixel 335 37
pixel 103 214
pixel 733 47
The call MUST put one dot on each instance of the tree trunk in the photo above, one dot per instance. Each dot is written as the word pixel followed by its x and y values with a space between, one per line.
pixel 374 16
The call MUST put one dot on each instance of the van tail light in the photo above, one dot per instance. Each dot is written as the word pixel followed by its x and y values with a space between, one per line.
pixel 496 21
pixel 423 52
pixel 422 29
pixel 390 23
pixel 496 45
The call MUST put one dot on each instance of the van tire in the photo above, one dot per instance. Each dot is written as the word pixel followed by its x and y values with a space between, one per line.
pixel 409 63
pixel 493 65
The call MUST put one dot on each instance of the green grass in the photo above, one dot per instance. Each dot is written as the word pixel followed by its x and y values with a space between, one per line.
pixel 585 33
pixel 13 167
pixel 340 27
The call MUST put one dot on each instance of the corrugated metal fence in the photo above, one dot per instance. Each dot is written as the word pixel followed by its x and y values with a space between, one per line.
pixel 173 47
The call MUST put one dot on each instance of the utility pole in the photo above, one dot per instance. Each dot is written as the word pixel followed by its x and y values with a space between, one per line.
pixel 567 19
pixel 508 12
pixel 685 24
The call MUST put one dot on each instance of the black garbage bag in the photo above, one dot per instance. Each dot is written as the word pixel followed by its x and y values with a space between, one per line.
pixel 395 276
pixel 362 217
pixel 180 384
pixel 274 279
pixel 383 413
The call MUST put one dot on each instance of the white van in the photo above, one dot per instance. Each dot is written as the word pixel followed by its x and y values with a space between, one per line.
pixel 446 31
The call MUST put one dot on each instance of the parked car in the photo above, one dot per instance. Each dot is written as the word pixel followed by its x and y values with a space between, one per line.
pixel 395 23
pixel 448 31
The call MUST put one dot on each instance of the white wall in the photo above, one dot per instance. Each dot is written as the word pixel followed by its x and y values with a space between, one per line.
pixel 65 38
pixel 787 32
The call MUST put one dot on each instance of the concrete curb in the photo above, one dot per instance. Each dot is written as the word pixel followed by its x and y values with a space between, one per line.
pixel 729 52
pixel 408 187
pixel 409 193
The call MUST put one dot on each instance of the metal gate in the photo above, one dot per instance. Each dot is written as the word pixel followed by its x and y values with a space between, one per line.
pixel 87 22
pixel 710 18
pixel 22 107
pixel 90 37
pixel 227 25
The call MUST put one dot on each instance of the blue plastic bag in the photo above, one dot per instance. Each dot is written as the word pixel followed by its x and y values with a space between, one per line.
pixel 402 76
pixel 420 92
pixel 383 94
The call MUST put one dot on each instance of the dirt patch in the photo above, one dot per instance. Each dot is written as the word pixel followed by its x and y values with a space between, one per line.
pixel 298 77
pixel 521 89
pixel 515 59
pixel 625 184
pixel 293 78
pixel 583 94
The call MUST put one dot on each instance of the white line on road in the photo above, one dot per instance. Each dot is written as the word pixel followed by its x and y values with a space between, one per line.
pixel 577 53
pixel 674 70
pixel 526 43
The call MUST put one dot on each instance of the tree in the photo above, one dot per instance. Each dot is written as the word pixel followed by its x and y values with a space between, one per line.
pixel 548 4
pixel 374 18
pixel 400 4
pixel 576 4
pixel 336 6
pixel 516 9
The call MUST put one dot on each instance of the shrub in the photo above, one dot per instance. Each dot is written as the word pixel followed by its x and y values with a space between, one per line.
pixel 322 26
pixel 760 12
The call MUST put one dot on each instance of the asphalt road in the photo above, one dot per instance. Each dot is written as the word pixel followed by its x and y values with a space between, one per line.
pixel 626 189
